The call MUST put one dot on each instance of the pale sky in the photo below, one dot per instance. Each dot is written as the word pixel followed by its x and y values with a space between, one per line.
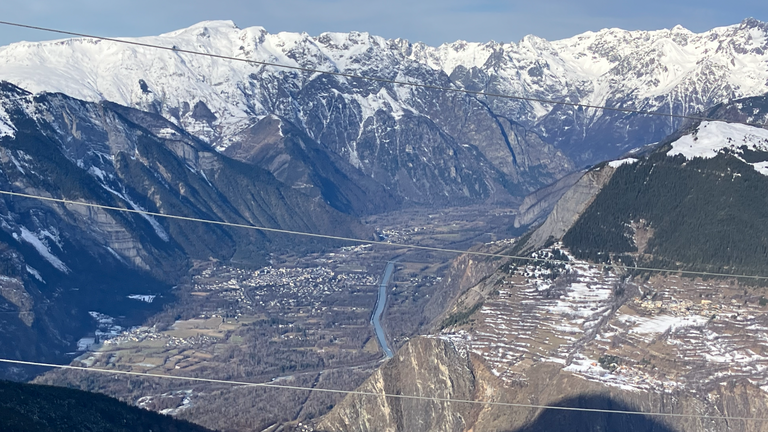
pixel 430 21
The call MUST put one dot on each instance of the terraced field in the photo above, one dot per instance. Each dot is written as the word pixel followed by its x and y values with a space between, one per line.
pixel 663 333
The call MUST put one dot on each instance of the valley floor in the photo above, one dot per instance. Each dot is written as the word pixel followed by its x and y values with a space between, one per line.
pixel 304 320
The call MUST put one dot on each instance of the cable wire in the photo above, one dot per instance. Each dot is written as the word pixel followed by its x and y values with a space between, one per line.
pixel 375 242
pixel 370 78
pixel 382 243
pixel 388 395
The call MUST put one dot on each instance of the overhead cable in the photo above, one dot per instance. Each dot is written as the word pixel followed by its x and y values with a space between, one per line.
pixel 374 242
pixel 380 243
pixel 382 394
pixel 368 78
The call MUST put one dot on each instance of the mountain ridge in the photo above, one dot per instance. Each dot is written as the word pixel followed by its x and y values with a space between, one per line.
pixel 41 408
pixel 532 144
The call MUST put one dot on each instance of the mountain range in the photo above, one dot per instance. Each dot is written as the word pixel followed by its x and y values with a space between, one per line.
pixel 470 146
pixel 239 141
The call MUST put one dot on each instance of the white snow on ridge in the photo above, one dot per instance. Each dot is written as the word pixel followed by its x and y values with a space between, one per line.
pixel 620 162
pixel 761 167
pixel 713 136
pixel 667 63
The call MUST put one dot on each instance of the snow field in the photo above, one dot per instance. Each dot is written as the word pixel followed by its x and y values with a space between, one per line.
pixel 711 137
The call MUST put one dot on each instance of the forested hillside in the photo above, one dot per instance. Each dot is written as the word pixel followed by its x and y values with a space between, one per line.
pixel 704 214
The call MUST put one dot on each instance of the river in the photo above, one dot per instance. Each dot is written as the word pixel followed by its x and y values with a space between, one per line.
pixel 381 301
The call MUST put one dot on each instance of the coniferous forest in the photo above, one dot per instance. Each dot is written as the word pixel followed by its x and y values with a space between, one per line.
pixel 705 214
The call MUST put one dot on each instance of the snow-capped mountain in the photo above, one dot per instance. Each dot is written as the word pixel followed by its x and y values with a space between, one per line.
pixel 673 70
pixel 359 120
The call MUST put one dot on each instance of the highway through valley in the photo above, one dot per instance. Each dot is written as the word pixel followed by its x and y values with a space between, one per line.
pixel 381 302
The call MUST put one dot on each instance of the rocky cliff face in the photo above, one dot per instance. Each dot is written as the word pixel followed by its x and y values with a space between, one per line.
pixel 569 207
pixel 435 367
pixel 540 203
pixel 456 291
pixel 423 367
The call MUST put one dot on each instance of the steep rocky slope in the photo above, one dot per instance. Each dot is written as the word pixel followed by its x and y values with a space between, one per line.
pixel 302 163
pixel 540 203
pixel 569 207
pixel 450 376
pixel 61 262
pixel 443 368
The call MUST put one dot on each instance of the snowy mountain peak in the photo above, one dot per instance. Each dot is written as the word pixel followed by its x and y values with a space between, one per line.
pixel 667 70
pixel 202 27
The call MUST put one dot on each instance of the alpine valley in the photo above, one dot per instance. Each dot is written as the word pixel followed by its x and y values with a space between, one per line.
pixel 584 197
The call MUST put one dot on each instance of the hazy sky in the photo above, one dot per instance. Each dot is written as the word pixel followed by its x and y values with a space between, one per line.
pixel 430 21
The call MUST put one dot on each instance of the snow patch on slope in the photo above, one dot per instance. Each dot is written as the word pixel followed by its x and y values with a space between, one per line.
pixel 6 127
pixel 159 230
pixel 380 101
pixel 143 297
pixel 42 249
pixel 662 323
pixel 35 273
pixel 713 137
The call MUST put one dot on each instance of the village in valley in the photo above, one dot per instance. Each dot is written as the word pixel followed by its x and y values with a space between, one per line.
pixel 300 318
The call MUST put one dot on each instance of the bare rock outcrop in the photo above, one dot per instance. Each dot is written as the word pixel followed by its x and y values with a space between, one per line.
pixel 540 203
pixel 429 367
pixel 570 206
pixel 434 367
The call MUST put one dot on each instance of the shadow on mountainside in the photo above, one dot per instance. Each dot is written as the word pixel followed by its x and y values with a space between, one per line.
pixel 554 420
